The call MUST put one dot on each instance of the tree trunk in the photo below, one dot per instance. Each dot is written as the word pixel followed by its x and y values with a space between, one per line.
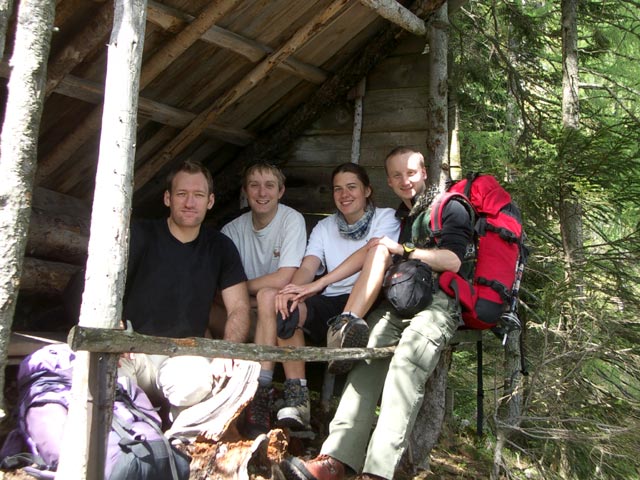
pixel 18 154
pixel 569 206
pixel 92 389
pixel 437 111
pixel 428 424
pixel 509 406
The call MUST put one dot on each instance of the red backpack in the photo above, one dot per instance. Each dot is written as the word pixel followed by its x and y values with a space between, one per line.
pixel 489 292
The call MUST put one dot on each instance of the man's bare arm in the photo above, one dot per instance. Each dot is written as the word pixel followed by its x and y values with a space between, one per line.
pixel 277 279
pixel 236 302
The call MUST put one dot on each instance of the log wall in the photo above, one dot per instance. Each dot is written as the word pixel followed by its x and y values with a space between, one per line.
pixel 56 249
pixel 394 113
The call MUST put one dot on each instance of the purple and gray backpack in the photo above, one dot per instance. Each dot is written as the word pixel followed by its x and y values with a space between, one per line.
pixel 137 448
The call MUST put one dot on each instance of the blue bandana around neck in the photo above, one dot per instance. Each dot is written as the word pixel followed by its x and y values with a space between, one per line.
pixel 359 229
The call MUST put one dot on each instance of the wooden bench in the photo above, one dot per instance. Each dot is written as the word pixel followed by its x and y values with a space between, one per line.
pixel 25 343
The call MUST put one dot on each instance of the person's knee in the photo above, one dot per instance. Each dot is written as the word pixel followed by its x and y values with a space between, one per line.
pixel 422 346
pixel 379 253
pixel 266 298
pixel 185 390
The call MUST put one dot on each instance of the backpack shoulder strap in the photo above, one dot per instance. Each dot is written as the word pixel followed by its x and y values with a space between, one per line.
pixel 471 176
pixel 438 207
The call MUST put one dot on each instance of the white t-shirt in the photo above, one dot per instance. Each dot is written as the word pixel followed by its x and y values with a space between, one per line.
pixel 326 243
pixel 279 244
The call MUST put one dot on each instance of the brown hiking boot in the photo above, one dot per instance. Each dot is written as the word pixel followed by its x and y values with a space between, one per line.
pixel 345 331
pixel 323 467
pixel 257 415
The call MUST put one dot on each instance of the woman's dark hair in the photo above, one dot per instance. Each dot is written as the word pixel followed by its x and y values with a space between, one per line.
pixel 359 172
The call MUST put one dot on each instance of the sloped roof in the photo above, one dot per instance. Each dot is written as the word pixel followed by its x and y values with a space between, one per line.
pixel 226 82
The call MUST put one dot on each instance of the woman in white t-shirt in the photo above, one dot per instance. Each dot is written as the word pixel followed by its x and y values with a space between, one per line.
pixel 336 250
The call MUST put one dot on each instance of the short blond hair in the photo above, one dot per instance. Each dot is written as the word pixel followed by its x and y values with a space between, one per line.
pixel 401 151
pixel 263 167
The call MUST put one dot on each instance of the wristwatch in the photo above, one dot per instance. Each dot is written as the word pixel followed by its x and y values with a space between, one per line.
pixel 408 248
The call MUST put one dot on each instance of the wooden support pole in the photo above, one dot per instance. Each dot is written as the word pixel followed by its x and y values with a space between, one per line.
pixel 358 93
pixel 18 150
pixel 437 124
pixel 396 13
pixel 92 391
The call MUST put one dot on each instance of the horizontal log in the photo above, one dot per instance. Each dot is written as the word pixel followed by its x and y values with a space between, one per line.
pixel 117 341
pixel 396 13
pixel 44 277
pixel 59 203
pixel 93 92
pixel 57 237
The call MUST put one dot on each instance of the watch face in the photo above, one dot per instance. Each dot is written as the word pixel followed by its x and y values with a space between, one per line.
pixel 409 246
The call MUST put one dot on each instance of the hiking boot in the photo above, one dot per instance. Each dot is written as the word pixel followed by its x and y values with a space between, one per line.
pixel 345 331
pixel 323 467
pixel 296 413
pixel 257 415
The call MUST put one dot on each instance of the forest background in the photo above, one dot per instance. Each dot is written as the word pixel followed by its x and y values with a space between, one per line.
pixel 577 185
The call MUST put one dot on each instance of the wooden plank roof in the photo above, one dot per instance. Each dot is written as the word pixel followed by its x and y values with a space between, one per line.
pixel 227 82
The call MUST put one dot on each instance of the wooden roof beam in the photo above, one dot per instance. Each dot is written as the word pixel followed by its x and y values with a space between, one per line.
pixel 183 40
pixel 93 92
pixel 171 19
pixel 197 126
pixel 94 34
pixel 150 70
pixel 396 13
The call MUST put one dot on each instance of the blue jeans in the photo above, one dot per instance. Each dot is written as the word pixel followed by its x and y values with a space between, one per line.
pixel 400 380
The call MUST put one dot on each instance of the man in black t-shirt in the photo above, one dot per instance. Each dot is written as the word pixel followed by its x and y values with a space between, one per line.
pixel 175 269
pixel 419 340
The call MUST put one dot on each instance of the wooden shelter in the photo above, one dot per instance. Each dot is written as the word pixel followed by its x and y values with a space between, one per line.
pixel 303 84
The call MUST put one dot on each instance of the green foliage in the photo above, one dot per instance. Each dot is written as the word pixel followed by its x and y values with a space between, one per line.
pixel 581 402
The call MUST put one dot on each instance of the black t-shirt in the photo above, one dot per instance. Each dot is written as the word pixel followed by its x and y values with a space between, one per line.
pixel 456 227
pixel 170 284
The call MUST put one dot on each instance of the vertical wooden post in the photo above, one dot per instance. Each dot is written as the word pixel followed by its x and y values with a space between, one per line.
pixel 437 113
pixel 358 93
pixel 18 153
pixel 94 374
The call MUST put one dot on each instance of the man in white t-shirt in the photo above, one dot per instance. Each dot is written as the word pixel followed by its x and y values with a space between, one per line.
pixel 271 239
